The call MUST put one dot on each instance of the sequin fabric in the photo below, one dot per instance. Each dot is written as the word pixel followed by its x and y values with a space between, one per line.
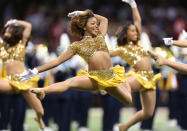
pixel 86 48
pixel 147 75
pixel 11 53
pixel 15 77
pixel 14 81
pixel 111 77
pixel 103 74
pixel 146 78
pixel 132 54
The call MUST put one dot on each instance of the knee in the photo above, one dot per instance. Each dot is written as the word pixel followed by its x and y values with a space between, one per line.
pixel 148 114
pixel 71 83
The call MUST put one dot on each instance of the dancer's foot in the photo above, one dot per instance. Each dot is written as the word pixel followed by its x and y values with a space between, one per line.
pixel 39 93
pixel 40 122
pixel 121 127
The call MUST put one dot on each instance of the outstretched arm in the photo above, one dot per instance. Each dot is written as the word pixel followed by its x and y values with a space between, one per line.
pixel 180 43
pixel 26 75
pixel 62 58
pixel 170 41
pixel 103 27
pixel 137 19
pixel 182 68
pixel 135 14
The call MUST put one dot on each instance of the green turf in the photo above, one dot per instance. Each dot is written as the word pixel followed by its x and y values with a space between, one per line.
pixel 95 120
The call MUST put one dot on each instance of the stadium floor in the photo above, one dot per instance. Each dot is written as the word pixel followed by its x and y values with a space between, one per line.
pixel 95 120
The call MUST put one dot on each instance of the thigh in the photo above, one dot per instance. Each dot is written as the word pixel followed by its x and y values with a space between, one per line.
pixel 82 83
pixel 5 87
pixel 120 93
pixel 133 83
pixel 148 100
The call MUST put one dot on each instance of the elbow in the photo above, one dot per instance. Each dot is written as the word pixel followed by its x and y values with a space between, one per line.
pixel 106 20
pixel 29 25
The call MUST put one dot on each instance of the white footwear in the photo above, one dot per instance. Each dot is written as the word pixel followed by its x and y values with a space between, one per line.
pixel 83 129
pixel 46 129
pixel 115 128
pixel 172 123
pixel 136 126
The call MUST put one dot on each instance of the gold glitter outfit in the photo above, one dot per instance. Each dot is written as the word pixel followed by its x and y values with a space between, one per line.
pixel 9 54
pixel 132 55
pixel 86 49
pixel 111 77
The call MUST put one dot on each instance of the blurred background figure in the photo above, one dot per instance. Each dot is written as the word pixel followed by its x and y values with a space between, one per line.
pixel 161 18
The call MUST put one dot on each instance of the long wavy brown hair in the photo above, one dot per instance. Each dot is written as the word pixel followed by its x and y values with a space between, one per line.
pixel 78 22
pixel 16 34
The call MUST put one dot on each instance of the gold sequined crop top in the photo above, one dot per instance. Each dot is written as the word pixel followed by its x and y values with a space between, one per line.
pixel 131 54
pixel 11 53
pixel 86 49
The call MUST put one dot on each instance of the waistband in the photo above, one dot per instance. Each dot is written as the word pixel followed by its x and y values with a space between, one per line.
pixel 108 73
pixel 147 74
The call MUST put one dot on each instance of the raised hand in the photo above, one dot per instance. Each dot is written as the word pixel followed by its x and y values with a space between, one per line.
pixel 74 13
pixel 27 75
pixel 159 59
pixel 10 22
pixel 132 3
pixel 168 41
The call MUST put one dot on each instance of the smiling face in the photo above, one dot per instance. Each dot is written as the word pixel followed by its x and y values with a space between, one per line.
pixel 92 27
pixel 132 34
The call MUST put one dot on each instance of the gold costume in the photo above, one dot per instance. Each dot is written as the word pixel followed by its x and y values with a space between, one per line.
pixel 105 78
pixel 146 78
pixel 11 53
pixel 8 54
pixel 86 49
pixel 132 55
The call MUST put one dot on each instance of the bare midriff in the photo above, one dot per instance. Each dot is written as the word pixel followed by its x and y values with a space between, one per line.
pixel 14 67
pixel 143 65
pixel 99 61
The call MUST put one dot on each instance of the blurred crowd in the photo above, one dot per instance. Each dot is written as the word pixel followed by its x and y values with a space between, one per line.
pixel 49 19
pixel 50 37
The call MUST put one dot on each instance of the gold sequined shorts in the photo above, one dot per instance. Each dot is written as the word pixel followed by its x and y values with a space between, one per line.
pixel 106 78
pixel 14 81
pixel 146 78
